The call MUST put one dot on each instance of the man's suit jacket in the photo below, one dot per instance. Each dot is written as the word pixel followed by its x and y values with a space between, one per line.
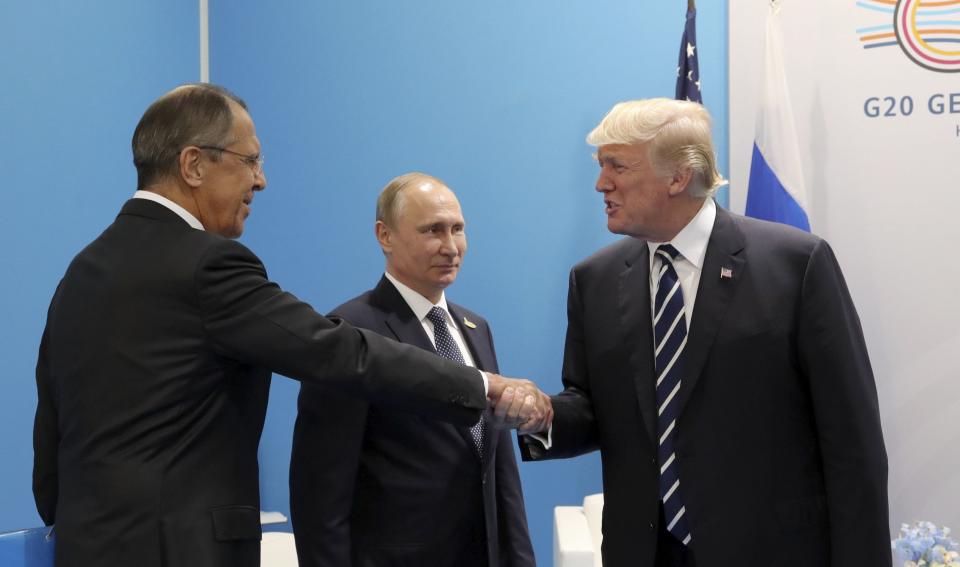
pixel 152 382
pixel 372 486
pixel 780 452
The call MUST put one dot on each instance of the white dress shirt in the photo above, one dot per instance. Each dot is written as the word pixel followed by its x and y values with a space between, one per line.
pixel 420 306
pixel 181 212
pixel 691 243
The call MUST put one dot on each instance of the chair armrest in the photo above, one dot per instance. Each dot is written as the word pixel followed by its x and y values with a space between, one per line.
pixel 572 544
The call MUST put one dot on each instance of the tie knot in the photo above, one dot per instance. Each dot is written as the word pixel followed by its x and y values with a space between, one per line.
pixel 437 316
pixel 667 252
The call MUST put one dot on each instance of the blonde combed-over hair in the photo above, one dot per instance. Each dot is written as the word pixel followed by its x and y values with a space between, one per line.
pixel 677 134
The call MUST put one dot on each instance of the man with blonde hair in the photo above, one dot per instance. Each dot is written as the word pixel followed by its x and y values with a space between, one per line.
pixel 718 364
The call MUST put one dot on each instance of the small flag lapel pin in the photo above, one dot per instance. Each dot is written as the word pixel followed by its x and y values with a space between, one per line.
pixel 726 273
pixel 469 323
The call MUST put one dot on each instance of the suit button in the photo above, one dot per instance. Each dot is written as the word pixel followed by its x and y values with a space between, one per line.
pixel 652 527
pixel 653 461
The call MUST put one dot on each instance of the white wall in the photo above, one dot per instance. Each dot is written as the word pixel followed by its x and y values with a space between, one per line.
pixel 885 192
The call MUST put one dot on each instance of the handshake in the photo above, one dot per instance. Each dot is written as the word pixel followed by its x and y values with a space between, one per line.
pixel 517 403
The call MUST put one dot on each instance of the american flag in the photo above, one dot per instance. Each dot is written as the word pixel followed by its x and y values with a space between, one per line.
pixel 688 67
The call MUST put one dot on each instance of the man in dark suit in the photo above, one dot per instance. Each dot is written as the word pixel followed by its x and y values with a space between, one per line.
pixel 373 486
pixel 754 439
pixel 154 367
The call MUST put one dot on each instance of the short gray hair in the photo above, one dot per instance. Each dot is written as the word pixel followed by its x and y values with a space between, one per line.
pixel 390 203
pixel 197 114
pixel 677 134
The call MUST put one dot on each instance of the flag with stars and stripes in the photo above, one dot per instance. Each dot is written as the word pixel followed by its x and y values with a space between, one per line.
pixel 688 68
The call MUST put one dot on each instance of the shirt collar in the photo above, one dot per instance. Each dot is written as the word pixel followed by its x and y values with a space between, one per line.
pixel 692 241
pixel 419 304
pixel 181 212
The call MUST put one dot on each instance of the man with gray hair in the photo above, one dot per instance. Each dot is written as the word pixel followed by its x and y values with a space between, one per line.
pixel 718 364
pixel 373 486
pixel 155 363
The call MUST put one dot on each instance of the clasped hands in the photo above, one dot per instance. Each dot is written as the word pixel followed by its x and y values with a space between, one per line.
pixel 518 403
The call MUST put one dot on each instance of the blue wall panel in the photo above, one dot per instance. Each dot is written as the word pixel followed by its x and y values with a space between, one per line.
pixel 494 97
pixel 76 77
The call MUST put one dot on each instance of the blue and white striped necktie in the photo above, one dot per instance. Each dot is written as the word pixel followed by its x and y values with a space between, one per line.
pixel 670 338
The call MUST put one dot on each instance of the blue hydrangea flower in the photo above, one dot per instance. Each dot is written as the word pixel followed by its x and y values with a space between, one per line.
pixel 925 545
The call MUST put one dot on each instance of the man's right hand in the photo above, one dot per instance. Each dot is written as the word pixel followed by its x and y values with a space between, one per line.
pixel 518 403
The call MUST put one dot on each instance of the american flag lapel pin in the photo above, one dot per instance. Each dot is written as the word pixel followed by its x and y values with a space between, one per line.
pixel 726 273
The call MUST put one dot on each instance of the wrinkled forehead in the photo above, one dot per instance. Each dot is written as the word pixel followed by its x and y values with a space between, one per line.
pixel 621 152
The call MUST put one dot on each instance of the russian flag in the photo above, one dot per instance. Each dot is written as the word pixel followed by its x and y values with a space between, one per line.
pixel 776 190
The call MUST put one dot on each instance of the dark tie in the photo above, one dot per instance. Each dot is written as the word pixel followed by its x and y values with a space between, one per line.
pixel 670 338
pixel 447 348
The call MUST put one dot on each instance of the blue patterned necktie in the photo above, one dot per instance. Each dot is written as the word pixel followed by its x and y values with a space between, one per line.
pixel 670 338
pixel 447 348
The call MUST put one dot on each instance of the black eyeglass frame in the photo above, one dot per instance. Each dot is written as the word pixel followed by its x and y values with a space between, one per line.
pixel 254 161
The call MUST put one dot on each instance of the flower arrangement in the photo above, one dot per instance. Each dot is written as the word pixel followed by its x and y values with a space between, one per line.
pixel 925 545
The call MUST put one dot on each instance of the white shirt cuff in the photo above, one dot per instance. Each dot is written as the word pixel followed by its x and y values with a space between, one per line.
pixel 545 440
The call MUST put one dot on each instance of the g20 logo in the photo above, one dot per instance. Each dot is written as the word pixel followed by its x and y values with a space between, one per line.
pixel 928 31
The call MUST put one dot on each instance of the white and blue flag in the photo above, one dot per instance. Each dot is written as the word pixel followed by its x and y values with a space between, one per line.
pixel 776 190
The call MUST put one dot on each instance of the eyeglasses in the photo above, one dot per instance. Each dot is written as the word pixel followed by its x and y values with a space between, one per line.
pixel 254 161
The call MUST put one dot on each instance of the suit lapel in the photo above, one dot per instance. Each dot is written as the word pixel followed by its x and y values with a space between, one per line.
pixel 480 348
pixel 482 352
pixel 399 318
pixel 406 328
pixel 713 297
pixel 637 326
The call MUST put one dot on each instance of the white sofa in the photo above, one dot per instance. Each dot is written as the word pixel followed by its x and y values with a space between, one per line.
pixel 577 533
pixel 277 548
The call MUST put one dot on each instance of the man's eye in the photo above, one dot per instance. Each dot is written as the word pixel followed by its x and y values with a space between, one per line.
pixel 617 167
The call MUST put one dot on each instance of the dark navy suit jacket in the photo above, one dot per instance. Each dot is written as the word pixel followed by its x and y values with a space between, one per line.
pixel 779 445
pixel 372 486
pixel 152 386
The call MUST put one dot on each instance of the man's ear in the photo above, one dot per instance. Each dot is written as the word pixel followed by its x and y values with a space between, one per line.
pixel 191 166
pixel 680 180
pixel 384 236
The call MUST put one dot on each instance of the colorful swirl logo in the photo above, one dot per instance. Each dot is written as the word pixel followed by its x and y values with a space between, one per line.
pixel 928 31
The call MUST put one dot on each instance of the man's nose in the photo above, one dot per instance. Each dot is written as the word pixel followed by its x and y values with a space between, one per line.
pixel 603 184
pixel 448 244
